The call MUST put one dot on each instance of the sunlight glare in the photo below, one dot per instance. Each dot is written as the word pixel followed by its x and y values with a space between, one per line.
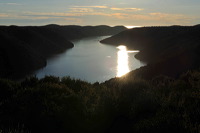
pixel 122 62
pixel 130 26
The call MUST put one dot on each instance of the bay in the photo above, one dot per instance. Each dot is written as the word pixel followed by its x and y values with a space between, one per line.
pixel 91 61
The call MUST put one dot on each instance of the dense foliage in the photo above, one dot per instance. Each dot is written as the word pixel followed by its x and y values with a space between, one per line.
pixel 125 104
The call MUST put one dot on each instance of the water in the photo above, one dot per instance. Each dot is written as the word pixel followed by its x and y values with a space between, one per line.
pixel 91 61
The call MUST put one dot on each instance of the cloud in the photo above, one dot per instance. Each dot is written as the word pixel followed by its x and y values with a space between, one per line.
pixel 30 15
pixel 39 18
pixel 106 7
pixel 86 9
pixel 77 20
pixel 127 9
pixel 120 15
pixel 10 16
pixel 68 14
pixel 14 4
pixel 3 15
pixel 158 17
pixel 52 14
pixel 99 14
pixel 90 6
pixel 81 10
pixel 37 15
pixel 79 14
pixel 60 18
pixel 123 3
pixel 171 18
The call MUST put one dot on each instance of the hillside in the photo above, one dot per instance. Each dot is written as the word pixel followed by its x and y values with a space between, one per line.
pixel 167 50
pixel 129 105
pixel 72 32
pixel 24 49
pixel 142 101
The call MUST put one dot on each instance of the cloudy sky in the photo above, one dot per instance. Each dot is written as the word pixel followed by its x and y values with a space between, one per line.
pixel 100 12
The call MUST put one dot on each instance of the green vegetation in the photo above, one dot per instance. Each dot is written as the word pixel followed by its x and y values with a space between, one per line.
pixel 125 104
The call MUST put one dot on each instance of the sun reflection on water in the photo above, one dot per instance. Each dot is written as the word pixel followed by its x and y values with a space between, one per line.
pixel 122 60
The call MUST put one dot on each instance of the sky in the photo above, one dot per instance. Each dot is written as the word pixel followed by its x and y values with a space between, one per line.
pixel 100 12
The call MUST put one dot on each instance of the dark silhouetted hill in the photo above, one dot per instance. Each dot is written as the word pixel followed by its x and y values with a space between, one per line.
pixel 24 49
pixel 130 104
pixel 123 105
pixel 167 50
pixel 72 32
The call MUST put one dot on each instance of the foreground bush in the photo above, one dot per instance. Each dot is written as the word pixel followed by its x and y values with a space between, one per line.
pixel 63 105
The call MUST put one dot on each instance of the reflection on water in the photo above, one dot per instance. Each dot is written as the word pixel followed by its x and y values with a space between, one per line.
pixel 122 60
pixel 91 61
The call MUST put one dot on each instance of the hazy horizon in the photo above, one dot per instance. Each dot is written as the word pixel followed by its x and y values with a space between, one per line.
pixel 127 26
pixel 95 12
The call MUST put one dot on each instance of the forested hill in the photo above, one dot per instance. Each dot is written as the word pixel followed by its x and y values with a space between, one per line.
pixel 167 50
pixel 140 102
pixel 72 32
pixel 23 49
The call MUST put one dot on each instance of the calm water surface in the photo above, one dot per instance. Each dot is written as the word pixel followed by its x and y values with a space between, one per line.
pixel 91 61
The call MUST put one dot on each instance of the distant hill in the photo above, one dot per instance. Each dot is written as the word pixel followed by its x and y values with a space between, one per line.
pixel 167 50
pixel 140 102
pixel 26 48
pixel 72 32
